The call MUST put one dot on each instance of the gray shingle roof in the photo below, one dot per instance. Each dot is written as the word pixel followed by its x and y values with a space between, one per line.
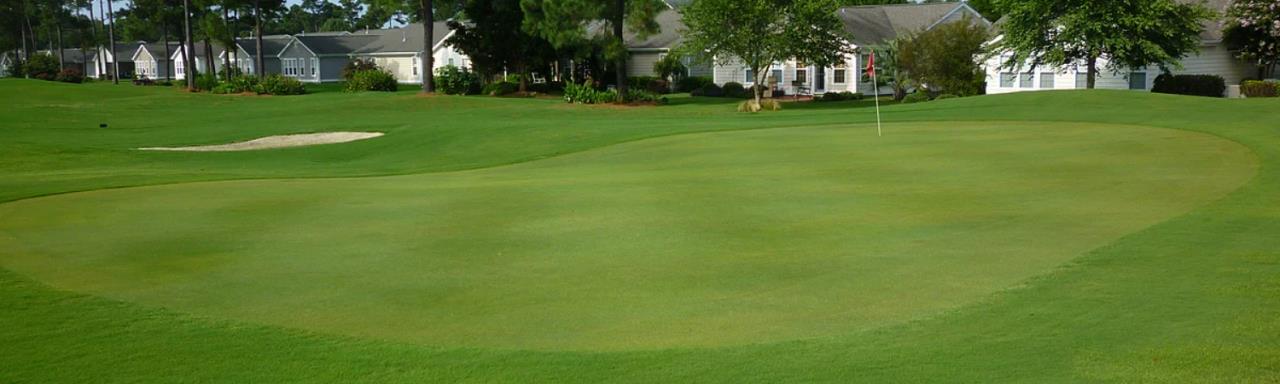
pixel 1213 28
pixel 670 33
pixel 875 24
pixel 158 52
pixel 406 39
pixel 335 44
pixel 272 44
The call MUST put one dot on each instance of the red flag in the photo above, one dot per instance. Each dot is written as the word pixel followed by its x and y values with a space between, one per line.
pixel 871 64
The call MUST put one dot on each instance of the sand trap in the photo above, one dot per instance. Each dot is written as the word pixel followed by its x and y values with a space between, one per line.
pixel 281 141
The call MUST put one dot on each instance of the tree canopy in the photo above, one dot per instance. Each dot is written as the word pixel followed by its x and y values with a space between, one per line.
pixel 564 23
pixel 762 32
pixel 1253 30
pixel 1127 33
pixel 493 45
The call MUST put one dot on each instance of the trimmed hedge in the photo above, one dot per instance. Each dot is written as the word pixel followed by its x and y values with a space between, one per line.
pixel 690 84
pixel 1191 85
pixel 649 83
pixel 1256 88
pixel 281 85
pixel 841 96
pixel 499 88
pixel 708 90
pixel 734 89
pixel 70 75
pixel 371 80
pixel 917 97
pixel 452 80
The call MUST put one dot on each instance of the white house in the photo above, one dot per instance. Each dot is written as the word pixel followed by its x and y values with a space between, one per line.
pixel 870 25
pixel 247 48
pixel 105 60
pixel 151 62
pixel 200 58
pixel 6 62
pixel 320 57
pixel 399 51
pixel 1213 59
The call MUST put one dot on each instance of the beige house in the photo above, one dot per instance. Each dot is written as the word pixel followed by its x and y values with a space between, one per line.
pixel 399 51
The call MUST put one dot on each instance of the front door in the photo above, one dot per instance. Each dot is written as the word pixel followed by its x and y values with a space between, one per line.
pixel 820 79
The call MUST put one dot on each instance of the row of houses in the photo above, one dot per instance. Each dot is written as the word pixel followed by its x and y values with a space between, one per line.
pixel 319 57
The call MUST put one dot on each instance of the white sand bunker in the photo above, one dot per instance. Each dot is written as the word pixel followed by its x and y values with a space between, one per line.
pixel 280 141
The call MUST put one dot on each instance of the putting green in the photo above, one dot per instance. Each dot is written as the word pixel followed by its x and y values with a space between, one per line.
pixel 685 241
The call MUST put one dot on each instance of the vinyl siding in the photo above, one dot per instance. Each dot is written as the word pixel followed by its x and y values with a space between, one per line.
pixel 641 63
pixel 331 68
pixel 1213 59
pixel 300 53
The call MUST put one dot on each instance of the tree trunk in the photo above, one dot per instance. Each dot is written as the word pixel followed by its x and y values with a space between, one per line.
pixel 235 42
pixel 258 62
pixel 428 56
pixel 1092 77
pixel 524 78
pixel 208 57
pixel 164 39
pixel 111 34
pixel 226 54
pixel 62 54
pixel 187 47
pixel 97 44
pixel 618 17
pixel 756 90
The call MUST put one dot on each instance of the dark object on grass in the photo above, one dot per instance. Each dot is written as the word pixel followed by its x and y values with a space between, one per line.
pixel 102 125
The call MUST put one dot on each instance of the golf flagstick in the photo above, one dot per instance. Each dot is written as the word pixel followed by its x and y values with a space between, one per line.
pixel 875 90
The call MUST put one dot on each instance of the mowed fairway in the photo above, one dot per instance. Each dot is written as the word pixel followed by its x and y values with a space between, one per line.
pixel 1049 237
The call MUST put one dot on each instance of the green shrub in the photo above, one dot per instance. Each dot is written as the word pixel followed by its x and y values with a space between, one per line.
pixel 1191 85
pixel 708 90
pixel 70 75
pixel 15 68
pixel 500 88
pixel 452 80
pixel 585 94
pixel 649 83
pixel 42 66
pixel 230 72
pixel 206 82
pixel 1255 88
pixel 946 96
pixel 734 89
pixel 917 97
pixel 352 67
pixel 689 84
pixel 239 84
pixel 547 87
pixel 670 66
pixel 840 96
pixel 641 96
pixel 375 80
pixel 281 85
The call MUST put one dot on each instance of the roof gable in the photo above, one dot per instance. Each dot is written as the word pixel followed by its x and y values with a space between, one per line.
pixel 405 40
pixel 875 24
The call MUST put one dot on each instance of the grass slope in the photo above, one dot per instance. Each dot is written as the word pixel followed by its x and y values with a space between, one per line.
pixel 1193 298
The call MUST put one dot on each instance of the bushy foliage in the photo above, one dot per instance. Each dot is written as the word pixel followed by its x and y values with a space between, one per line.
pixel 350 69
pixel 670 67
pixel 500 88
pixel 1253 31
pixel 917 97
pixel 945 58
pixel 70 75
pixel 841 96
pixel 946 96
pixel 230 72
pixel 635 95
pixel 237 84
pixel 708 90
pixel 586 94
pixel 375 80
pixel 1192 85
pixel 649 83
pixel 734 89
pixel 452 80
pixel 42 66
pixel 1255 88
pixel 206 81
pixel 547 87
pixel 281 85
pixel 689 84
pixel 15 68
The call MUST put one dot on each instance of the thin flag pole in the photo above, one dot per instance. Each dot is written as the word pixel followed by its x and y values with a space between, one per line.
pixel 875 91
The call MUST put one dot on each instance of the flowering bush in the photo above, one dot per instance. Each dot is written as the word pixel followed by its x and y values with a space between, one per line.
pixel 1253 28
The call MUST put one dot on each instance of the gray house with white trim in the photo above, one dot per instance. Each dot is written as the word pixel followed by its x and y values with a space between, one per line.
pixel 315 58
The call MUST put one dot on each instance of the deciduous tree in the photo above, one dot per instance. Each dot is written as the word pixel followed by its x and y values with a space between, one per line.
pixel 762 32
pixel 565 23
pixel 1253 30
pixel 1127 33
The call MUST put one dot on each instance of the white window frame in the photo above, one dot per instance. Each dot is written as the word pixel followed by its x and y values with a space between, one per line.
pixel 315 66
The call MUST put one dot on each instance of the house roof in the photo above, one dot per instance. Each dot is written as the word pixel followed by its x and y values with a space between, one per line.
pixel 72 55
pixel 1213 28
pixel 272 44
pixel 670 34
pixel 199 50
pixel 157 50
pixel 405 40
pixel 335 44
pixel 124 51
pixel 875 24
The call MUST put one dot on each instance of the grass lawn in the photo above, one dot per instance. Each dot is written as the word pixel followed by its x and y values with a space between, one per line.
pixel 1040 237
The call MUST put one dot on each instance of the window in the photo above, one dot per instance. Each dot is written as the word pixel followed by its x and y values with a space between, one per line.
pixel 750 76
pixel 179 68
pixel 1138 80
pixel 1006 80
pixel 840 73
pixel 415 65
pixel 1027 80
pixel 1082 80
pixel 450 61
pixel 1046 80
pixel 802 72
pixel 315 66
pixel 777 75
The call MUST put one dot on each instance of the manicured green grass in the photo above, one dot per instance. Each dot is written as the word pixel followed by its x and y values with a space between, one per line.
pixel 1049 237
